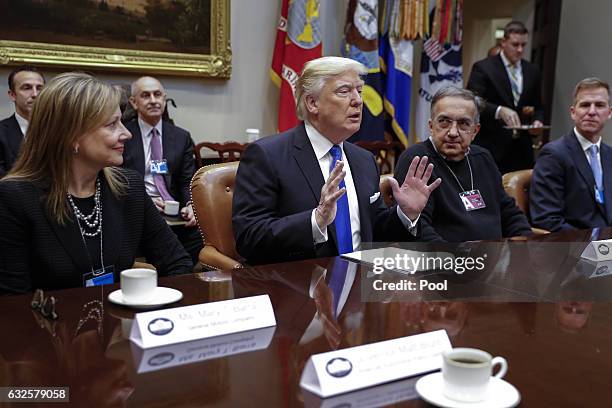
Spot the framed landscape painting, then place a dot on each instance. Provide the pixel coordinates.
(180, 37)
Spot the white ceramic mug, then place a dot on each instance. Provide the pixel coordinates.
(138, 285)
(467, 372)
(171, 207)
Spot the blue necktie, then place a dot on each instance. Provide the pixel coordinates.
(596, 168)
(343, 216)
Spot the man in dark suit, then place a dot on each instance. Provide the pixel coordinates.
(25, 83)
(307, 193)
(167, 165)
(511, 88)
(571, 185)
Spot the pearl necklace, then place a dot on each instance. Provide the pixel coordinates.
(92, 221)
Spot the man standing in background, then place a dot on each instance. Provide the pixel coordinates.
(25, 83)
(510, 86)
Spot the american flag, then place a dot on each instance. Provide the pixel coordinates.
(433, 49)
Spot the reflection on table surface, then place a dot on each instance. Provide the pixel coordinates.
(535, 303)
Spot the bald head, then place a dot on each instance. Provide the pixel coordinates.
(148, 99)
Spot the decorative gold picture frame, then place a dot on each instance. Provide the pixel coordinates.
(216, 64)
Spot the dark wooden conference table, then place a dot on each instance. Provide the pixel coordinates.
(536, 303)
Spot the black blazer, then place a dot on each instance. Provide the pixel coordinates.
(562, 192)
(177, 149)
(278, 185)
(489, 80)
(11, 139)
(37, 252)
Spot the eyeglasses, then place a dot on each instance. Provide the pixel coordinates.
(463, 125)
(45, 305)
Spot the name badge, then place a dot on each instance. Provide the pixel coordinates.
(159, 167)
(99, 277)
(599, 196)
(472, 200)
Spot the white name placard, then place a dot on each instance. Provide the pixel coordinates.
(159, 358)
(598, 250)
(181, 324)
(350, 369)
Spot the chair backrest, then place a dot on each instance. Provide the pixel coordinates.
(227, 151)
(517, 184)
(386, 153)
(212, 190)
(386, 190)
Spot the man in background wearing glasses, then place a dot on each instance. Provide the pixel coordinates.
(471, 203)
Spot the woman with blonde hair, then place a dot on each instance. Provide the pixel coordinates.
(69, 216)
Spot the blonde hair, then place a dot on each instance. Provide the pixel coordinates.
(316, 73)
(71, 105)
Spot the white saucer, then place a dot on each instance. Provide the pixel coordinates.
(163, 296)
(501, 394)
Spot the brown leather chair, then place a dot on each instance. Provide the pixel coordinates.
(386, 190)
(516, 184)
(212, 190)
(228, 151)
(386, 153)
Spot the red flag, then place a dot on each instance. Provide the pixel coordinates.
(298, 40)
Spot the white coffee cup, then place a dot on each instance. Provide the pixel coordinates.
(138, 285)
(252, 135)
(467, 371)
(171, 207)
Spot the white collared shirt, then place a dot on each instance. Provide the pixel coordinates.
(586, 144)
(145, 131)
(519, 71)
(518, 74)
(23, 123)
(321, 146)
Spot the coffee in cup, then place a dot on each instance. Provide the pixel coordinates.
(467, 371)
(138, 285)
(171, 207)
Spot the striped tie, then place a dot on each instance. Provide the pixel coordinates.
(514, 84)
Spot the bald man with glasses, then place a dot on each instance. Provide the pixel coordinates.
(471, 203)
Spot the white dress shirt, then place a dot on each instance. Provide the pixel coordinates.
(518, 74)
(145, 131)
(321, 146)
(586, 145)
(23, 123)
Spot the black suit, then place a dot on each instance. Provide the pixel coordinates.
(37, 252)
(11, 139)
(278, 185)
(489, 80)
(562, 192)
(177, 148)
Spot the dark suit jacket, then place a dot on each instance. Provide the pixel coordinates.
(562, 192)
(489, 80)
(177, 148)
(37, 252)
(10, 143)
(279, 184)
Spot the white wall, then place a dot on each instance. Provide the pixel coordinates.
(584, 51)
(215, 110)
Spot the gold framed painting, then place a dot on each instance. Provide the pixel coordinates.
(176, 37)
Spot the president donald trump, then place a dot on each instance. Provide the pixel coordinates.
(307, 193)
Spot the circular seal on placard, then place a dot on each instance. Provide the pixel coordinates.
(161, 359)
(602, 270)
(160, 326)
(339, 367)
(603, 249)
